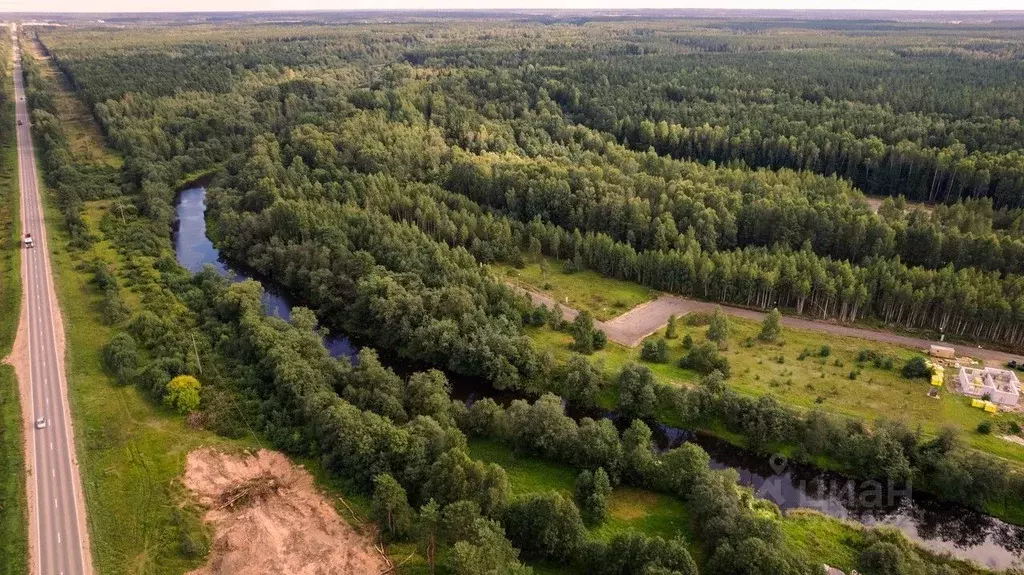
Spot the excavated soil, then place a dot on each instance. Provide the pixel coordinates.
(269, 518)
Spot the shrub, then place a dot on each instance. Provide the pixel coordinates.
(183, 394)
(654, 351)
(705, 358)
(121, 357)
(672, 330)
(697, 319)
(591, 495)
(916, 368)
(985, 427)
(718, 327)
(771, 327)
(825, 351)
(545, 526)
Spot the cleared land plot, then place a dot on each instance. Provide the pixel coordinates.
(630, 327)
(269, 518)
(603, 297)
(83, 133)
(811, 383)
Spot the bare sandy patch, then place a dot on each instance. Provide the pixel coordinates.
(269, 518)
(1012, 439)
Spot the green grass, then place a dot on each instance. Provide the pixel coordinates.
(628, 508)
(605, 298)
(13, 504)
(525, 474)
(13, 507)
(816, 382)
(131, 452)
(83, 133)
(822, 539)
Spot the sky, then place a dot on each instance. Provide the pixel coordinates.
(291, 5)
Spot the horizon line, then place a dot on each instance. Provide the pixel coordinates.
(518, 10)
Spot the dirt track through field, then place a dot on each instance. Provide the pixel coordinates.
(632, 327)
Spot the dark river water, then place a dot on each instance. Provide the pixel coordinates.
(938, 526)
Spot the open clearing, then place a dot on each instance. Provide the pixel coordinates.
(83, 133)
(794, 371)
(547, 276)
(633, 326)
(628, 507)
(269, 518)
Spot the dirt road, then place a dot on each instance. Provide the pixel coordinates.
(632, 327)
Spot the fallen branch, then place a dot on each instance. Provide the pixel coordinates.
(400, 563)
(350, 510)
(251, 489)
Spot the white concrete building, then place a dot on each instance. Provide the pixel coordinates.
(1000, 386)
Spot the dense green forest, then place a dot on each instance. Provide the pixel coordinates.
(372, 169)
(543, 125)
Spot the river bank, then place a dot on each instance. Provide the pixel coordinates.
(937, 526)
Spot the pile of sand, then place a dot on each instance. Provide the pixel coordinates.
(269, 518)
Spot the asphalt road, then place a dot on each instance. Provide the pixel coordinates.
(55, 515)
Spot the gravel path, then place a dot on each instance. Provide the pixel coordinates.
(632, 327)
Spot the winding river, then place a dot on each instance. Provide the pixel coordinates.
(938, 526)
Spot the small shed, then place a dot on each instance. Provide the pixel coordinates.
(942, 351)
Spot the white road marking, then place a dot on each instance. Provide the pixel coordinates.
(51, 446)
(55, 506)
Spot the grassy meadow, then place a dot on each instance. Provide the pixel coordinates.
(815, 537)
(82, 131)
(547, 275)
(798, 371)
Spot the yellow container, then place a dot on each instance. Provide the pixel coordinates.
(977, 403)
(991, 407)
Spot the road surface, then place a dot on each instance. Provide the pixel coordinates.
(56, 522)
(632, 327)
